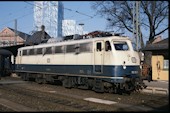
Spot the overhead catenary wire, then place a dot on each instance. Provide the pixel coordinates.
(78, 12)
(19, 17)
(10, 14)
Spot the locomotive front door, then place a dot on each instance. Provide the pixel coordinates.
(98, 57)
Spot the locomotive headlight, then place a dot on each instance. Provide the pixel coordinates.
(133, 60)
(124, 67)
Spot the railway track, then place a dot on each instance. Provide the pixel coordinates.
(55, 101)
(47, 97)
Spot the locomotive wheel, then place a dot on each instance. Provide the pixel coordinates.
(98, 86)
(67, 82)
(25, 76)
(40, 80)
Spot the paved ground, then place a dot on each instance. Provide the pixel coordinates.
(161, 87)
(160, 84)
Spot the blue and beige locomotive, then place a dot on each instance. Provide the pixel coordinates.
(103, 64)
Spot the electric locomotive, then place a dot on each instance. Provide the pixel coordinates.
(103, 64)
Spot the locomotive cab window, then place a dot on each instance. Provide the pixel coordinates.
(107, 46)
(120, 46)
(99, 46)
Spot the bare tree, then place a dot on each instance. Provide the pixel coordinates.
(119, 14)
(156, 13)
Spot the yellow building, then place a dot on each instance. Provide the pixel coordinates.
(159, 59)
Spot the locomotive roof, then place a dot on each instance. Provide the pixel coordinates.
(68, 42)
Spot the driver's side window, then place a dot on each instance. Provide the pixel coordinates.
(107, 46)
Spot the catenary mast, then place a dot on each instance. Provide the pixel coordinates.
(136, 24)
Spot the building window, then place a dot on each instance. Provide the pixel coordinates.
(166, 64)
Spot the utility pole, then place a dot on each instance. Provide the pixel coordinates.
(136, 24)
(15, 38)
(137, 32)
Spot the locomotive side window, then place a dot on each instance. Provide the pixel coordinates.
(59, 49)
(39, 51)
(31, 52)
(86, 47)
(48, 50)
(99, 46)
(24, 52)
(107, 46)
(119, 45)
(70, 48)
